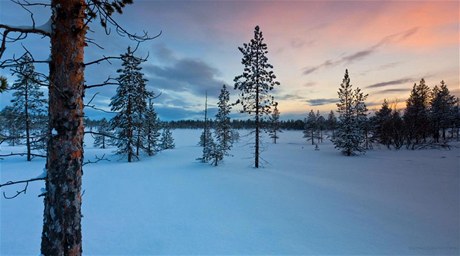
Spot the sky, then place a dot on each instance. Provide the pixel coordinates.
(387, 46)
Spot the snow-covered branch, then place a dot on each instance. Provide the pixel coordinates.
(44, 30)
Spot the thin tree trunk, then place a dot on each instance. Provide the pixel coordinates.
(26, 112)
(130, 132)
(62, 214)
(312, 136)
(256, 154)
(256, 160)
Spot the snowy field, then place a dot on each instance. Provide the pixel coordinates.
(301, 202)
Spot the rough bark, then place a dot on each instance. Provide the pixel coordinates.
(62, 214)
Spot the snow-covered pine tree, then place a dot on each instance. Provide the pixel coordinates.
(274, 124)
(382, 125)
(310, 127)
(103, 133)
(212, 152)
(351, 108)
(223, 129)
(397, 129)
(28, 101)
(416, 115)
(255, 84)
(441, 112)
(151, 130)
(331, 123)
(206, 135)
(320, 125)
(12, 132)
(362, 124)
(130, 104)
(167, 140)
(456, 122)
(3, 84)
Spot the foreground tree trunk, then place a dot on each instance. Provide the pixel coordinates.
(62, 215)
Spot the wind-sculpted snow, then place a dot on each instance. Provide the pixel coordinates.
(302, 201)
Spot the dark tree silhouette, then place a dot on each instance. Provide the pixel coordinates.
(255, 84)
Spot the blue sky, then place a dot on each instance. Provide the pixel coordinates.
(386, 45)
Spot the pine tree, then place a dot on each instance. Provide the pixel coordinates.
(310, 127)
(331, 123)
(3, 84)
(28, 101)
(362, 124)
(350, 134)
(10, 126)
(151, 130)
(441, 114)
(130, 104)
(167, 140)
(456, 117)
(212, 152)
(103, 133)
(416, 115)
(382, 124)
(206, 136)
(255, 84)
(223, 129)
(274, 124)
(398, 132)
(320, 124)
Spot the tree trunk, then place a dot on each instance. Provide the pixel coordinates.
(312, 136)
(62, 214)
(130, 132)
(256, 154)
(26, 112)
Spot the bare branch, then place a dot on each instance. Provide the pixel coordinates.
(9, 183)
(106, 82)
(101, 134)
(106, 58)
(20, 154)
(98, 159)
(106, 19)
(27, 3)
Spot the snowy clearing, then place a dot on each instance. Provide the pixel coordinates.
(301, 202)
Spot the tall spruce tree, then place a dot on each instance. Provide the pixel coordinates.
(456, 121)
(9, 125)
(320, 125)
(382, 124)
(151, 130)
(223, 129)
(331, 123)
(441, 114)
(397, 131)
(310, 127)
(206, 136)
(255, 84)
(130, 105)
(274, 124)
(103, 133)
(362, 124)
(28, 100)
(167, 140)
(416, 115)
(352, 110)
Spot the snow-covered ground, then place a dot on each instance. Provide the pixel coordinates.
(301, 202)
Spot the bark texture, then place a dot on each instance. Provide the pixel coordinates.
(62, 212)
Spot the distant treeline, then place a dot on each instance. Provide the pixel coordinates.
(200, 124)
